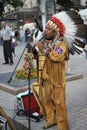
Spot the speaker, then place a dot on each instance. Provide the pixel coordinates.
(33, 110)
(33, 103)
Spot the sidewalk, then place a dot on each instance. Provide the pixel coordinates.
(16, 86)
(76, 95)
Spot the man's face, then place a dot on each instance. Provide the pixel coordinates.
(49, 33)
(3, 24)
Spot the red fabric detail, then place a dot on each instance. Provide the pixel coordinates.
(59, 24)
(33, 104)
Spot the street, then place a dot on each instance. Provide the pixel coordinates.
(76, 94)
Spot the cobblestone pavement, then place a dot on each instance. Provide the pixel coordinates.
(15, 83)
(8, 71)
(4, 78)
(76, 95)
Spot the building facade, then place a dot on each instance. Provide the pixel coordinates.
(43, 8)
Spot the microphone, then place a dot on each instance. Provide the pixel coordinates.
(40, 37)
(39, 27)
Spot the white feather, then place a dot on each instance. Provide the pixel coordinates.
(79, 48)
(70, 27)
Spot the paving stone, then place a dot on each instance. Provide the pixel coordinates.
(76, 95)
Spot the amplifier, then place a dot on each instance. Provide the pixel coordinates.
(30, 102)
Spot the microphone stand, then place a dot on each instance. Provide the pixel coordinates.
(21, 55)
(29, 98)
(29, 74)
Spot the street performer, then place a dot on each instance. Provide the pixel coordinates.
(53, 83)
(62, 33)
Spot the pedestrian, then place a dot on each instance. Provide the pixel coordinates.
(53, 83)
(17, 36)
(1, 40)
(22, 36)
(27, 33)
(7, 37)
(13, 45)
(13, 42)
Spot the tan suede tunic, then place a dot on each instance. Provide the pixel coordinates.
(52, 88)
(54, 66)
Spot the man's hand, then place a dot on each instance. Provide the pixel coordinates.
(47, 51)
(39, 46)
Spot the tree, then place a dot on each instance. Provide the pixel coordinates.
(66, 4)
(1, 7)
(13, 3)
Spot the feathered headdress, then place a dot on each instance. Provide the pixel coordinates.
(72, 28)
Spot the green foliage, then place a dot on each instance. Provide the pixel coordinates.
(14, 3)
(66, 4)
(1, 7)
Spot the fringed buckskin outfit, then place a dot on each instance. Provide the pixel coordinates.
(68, 26)
(52, 90)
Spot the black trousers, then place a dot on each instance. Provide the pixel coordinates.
(7, 51)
